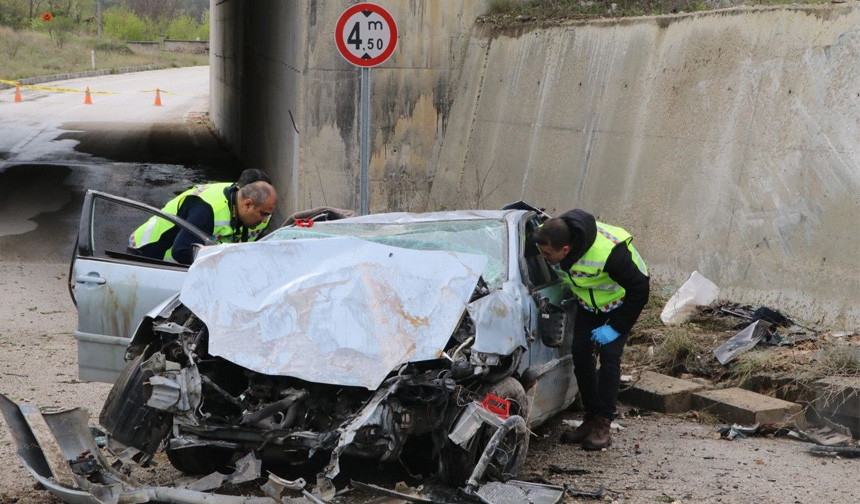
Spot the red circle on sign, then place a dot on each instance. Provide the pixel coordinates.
(341, 46)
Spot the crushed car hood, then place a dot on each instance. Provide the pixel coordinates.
(341, 311)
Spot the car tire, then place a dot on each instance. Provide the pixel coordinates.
(458, 463)
(126, 416)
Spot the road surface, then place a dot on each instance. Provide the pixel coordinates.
(53, 147)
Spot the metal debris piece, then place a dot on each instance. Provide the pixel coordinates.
(572, 492)
(742, 341)
(393, 493)
(247, 469)
(520, 492)
(67, 432)
(824, 436)
(840, 451)
(275, 486)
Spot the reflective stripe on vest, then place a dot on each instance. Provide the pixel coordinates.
(586, 278)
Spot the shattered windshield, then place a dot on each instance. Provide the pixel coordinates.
(483, 237)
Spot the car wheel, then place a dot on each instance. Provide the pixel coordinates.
(510, 455)
(126, 416)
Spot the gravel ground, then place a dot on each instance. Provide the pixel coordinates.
(655, 458)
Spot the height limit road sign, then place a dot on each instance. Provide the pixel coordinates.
(366, 35)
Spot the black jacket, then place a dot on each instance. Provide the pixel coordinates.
(619, 266)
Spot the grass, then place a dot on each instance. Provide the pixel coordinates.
(505, 11)
(839, 360)
(751, 364)
(27, 53)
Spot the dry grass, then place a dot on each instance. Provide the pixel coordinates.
(25, 53)
(507, 12)
(750, 365)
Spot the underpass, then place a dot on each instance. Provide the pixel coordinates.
(53, 147)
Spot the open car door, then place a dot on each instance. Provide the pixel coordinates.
(111, 288)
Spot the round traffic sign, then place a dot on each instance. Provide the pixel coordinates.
(366, 34)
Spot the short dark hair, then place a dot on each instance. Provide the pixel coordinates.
(252, 175)
(258, 192)
(553, 232)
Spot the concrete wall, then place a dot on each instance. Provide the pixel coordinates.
(725, 141)
(257, 53)
(187, 46)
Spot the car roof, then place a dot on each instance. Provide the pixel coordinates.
(408, 218)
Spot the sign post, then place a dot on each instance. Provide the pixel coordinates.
(366, 36)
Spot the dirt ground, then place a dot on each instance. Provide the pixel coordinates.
(656, 458)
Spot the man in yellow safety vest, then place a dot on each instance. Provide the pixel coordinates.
(610, 281)
(229, 213)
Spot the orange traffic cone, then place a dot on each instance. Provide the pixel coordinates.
(157, 97)
(18, 93)
(88, 100)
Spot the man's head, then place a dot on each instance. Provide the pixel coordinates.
(252, 175)
(554, 240)
(255, 203)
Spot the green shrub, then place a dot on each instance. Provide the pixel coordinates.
(122, 24)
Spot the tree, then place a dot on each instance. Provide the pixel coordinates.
(154, 9)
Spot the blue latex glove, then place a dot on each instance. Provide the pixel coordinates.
(604, 334)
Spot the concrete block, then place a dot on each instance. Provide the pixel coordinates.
(743, 407)
(658, 392)
(838, 399)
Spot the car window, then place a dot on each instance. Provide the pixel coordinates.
(483, 237)
(538, 271)
(107, 225)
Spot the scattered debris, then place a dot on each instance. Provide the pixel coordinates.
(742, 341)
(572, 492)
(400, 492)
(520, 492)
(684, 304)
(737, 431)
(823, 436)
(836, 451)
(247, 469)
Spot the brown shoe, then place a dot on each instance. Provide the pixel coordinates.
(598, 438)
(578, 434)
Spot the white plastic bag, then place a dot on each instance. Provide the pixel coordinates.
(697, 291)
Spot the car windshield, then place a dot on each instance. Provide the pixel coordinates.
(484, 237)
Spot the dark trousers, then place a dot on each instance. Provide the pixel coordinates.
(599, 389)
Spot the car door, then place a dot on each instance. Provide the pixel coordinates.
(555, 387)
(111, 288)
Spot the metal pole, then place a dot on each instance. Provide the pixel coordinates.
(364, 141)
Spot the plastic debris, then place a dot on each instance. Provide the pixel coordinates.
(684, 304)
(742, 341)
(737, 431)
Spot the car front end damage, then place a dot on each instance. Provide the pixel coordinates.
(406, 386)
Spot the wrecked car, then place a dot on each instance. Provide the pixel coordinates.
(414, 339)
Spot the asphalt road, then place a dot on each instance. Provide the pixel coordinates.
(53, 147)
